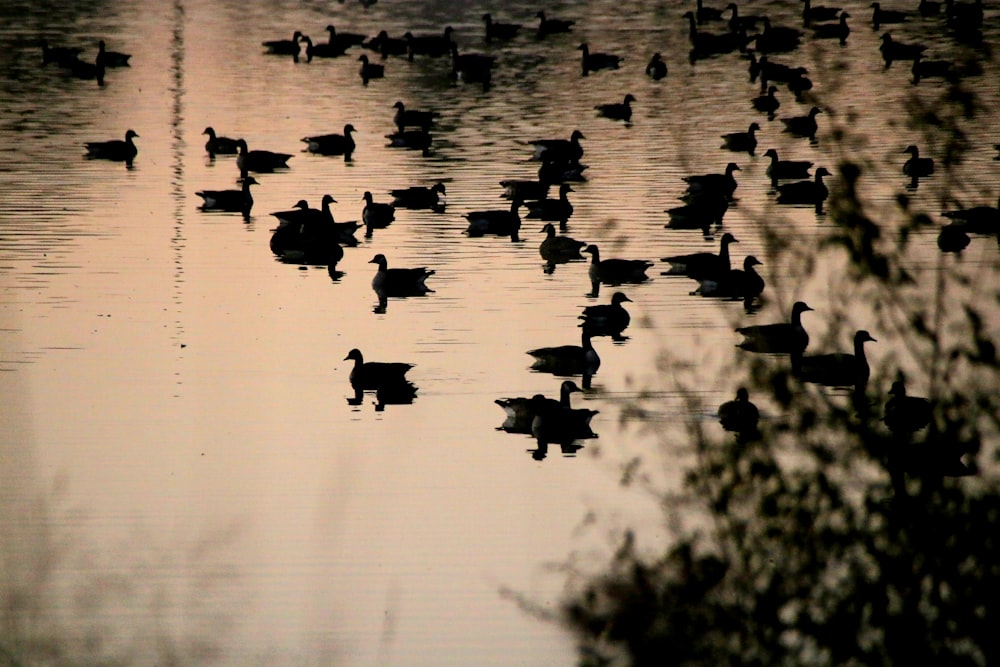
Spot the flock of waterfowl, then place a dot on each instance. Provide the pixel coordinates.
(309, 235)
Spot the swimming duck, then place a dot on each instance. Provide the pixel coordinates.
(802, 193)
(785, 169)
(498, 222)
(742, 23)
(559, 249)
(233, 201)
(706, 44)
(284, 47)
(260, 161)
(905, 415)
(369, 71)
(420, 197)
(656, 68)
(892, 50)
(803, 126)
(705, 13)
(559, 150)
(525, 190)
(838, 369)
(916, 166)
(608, 319)
(777, 39)
(745, 284)
(88, 71)
(521, 411)
(217, 145)
(592, 62)
(343, 40)
(376, 215)
(433, 46)
(839, 30)
(769, 70)
(547, 26)
(882, 17)
(375, 374)
(617, 110)
(817, 13)
(387, 46)
(767, 102)
(317, 223)
(615, 271)
(399, 282)
(779, 338)
(739, 415)
(741, 142)
(555, 210)
(405, 118)
(111, 58)
(333, 144)
(702, 265)
(565, 360)
(723, 185)
(978, 219)
(63, 56)
(322, 50)
(115, 149)
(471, 67)
(926, 69)
(496, 30)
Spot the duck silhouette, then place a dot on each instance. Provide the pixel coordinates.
(217, 145)
(333, 144)
(778, 338)
(115, 149)
(702, 265)
(233, 201)
(608, 319)
(739, 415)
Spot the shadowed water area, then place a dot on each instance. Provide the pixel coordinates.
(187, 469)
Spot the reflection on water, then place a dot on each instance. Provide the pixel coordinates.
(179, 372)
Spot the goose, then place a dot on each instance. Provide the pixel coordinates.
(405, 118)
(399, 282)
(419, 197)
(916, 166)
(559, 150)
(905, 415)
(839, 30)
(767, 102)
(926, 69)
(839, 369)
(702, 265)
(433, 46)
(779, 338)
(234, 201)
(608, 319)
(471, 67)
(777, 39)
(706, 44)
(387, 46)
(742, 142)
(323, 50)
(745, 283)
(953, 238)
(785, 169)
(345, 39)
(111, 58)
(615, 271)
(547, 26)
(284, 47)
(892, 50)
(557, 249)
(498, 222)
(769, 70)
(501, 31)
(566, 360)
(302, 218)
(745, 22)
(801, 193)
(376, 215)
(115, 149)
(555, 210)
(803, 126)
(375, 374)
(978, 219)
(617, 110)
(217, 145)
(260, 161)
(88, 71)
(701, 212)
(817, 13)
(739, 415)
(656, 68)
(592, 62)
(369, 71)
(723, 185)
(799, 84)
(525, 190)
(882, 17)
(520, 412)
(61, 55)
(552, 423)
(333, 144)
(705, 13)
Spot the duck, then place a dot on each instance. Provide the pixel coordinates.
(555, 210)
(60, 55)
(498, 222)
(656, 69)
(926, 69)
(433, 46)
(608, 319)
(419, 197)
(284, 47)
(260, 161)
(547, 26)
(405, 118)
(557, 249)
(777, 39)
(778, 338)
(526, 190)
(953, 238)
(375, 374)
(111, 58)
(233, 201)
(905, 415)
(615, 271)
(554, 424)
(803, 126)
(520, 412)
(916, 166)
(769, 70)
(882, 17)
(115, 149)
(387, 46)
(217, 145)
(376, 215)
(978, 219)
(302, 218)
(369, 71)
(706, 44)
(592, 62)
(741, 23)
(344, 40)
(892, 50)
(333, 144)
(500, 31)
(767, 102)
(723, 185)
(817, 13)
(702, 265)
(321, 50)
(785, 169)
(559, 150)
(705, 13)
(88, 71)
(471, 67)
(801, 193)
(745, 284)
(566, 360)
(399, 282)
(739, 415)
(839, 369)
(839, 30)
(617, 110)
(742, 142)
(800, 84)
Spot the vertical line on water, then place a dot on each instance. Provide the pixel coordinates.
(177, 146)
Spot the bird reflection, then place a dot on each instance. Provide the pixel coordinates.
(395, 393)
(541, 452)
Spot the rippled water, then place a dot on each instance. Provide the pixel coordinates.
(177, 398)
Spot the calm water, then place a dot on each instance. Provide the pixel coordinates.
(182, 466)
